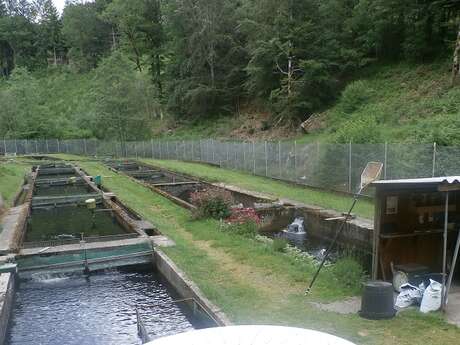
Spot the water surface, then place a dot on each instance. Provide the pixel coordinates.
(100, 310)
(46, 223)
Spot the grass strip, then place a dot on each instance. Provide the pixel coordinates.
(11, 178)
(279, 189)
(247, 279)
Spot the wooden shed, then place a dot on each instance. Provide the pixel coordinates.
(416, 224)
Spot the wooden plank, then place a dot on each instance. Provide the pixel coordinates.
(449, 187)
(174, 184)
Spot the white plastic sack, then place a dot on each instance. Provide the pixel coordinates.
(431, 300)
(409, 295)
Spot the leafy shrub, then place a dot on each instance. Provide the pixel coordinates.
(243, 215)
(212, 203)
(349, 273)
(243, 221)
(355, 96)
(280, 244)
(246, 229)
(360, 130)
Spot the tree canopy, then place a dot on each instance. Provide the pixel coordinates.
(201, 58)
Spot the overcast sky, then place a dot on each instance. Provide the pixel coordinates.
(59, 4)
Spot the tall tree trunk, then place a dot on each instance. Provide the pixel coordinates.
(456, 62)
(114, 41)
(137, 53)
(157, 69)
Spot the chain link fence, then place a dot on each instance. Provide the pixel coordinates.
(335, 167)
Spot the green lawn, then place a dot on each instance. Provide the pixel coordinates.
(254, 284)
(364, 208)
(278, 189)
(11, 178)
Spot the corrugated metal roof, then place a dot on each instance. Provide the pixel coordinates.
(431, 180)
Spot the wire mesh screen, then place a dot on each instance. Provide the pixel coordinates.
(329, 166)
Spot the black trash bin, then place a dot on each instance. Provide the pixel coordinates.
(377, 302)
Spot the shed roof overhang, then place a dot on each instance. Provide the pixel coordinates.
(445, 183)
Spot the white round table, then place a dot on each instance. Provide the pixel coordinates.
(251, 335)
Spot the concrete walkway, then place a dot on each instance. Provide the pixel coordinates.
(352, 305)
(11, 224)
(161, 241)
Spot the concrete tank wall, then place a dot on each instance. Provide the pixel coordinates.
(187, 288)
(6, 302)
(357, 233)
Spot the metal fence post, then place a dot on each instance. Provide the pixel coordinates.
(213, 151)
(47, 147)
(295, 160)
(16, 146)
(244, 156)
(385, 161)
(236, 157)
(349, 167)
(4, 146)
(434, 160)
(185, 151)
(59, 146)
(193, 150)
(36, 147)
(254, 157)
(279, 159)
(84, 142)
(266, 159)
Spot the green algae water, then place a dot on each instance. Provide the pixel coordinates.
(62, 190)
(47, 223)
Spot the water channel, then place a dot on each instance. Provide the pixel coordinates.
(73, 309)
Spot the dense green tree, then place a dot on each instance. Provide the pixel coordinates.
(24, 112)
(140, 25)
(88, 37)
(120, 101)
(127, 17)
(50, 30)
(205, 73)
(206, 57)
(18, 36)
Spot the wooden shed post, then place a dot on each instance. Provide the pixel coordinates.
(444, 253)
(376, 234)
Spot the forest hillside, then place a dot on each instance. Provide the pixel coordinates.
(356, 70)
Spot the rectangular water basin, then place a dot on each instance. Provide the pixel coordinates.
(67, 221)
(61, 188)
(100, 309)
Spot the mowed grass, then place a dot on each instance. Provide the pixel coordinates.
(329, 200)
(278, 189)
(254, 284)
(11, 178)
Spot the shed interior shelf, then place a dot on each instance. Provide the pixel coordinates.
(415, 234)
